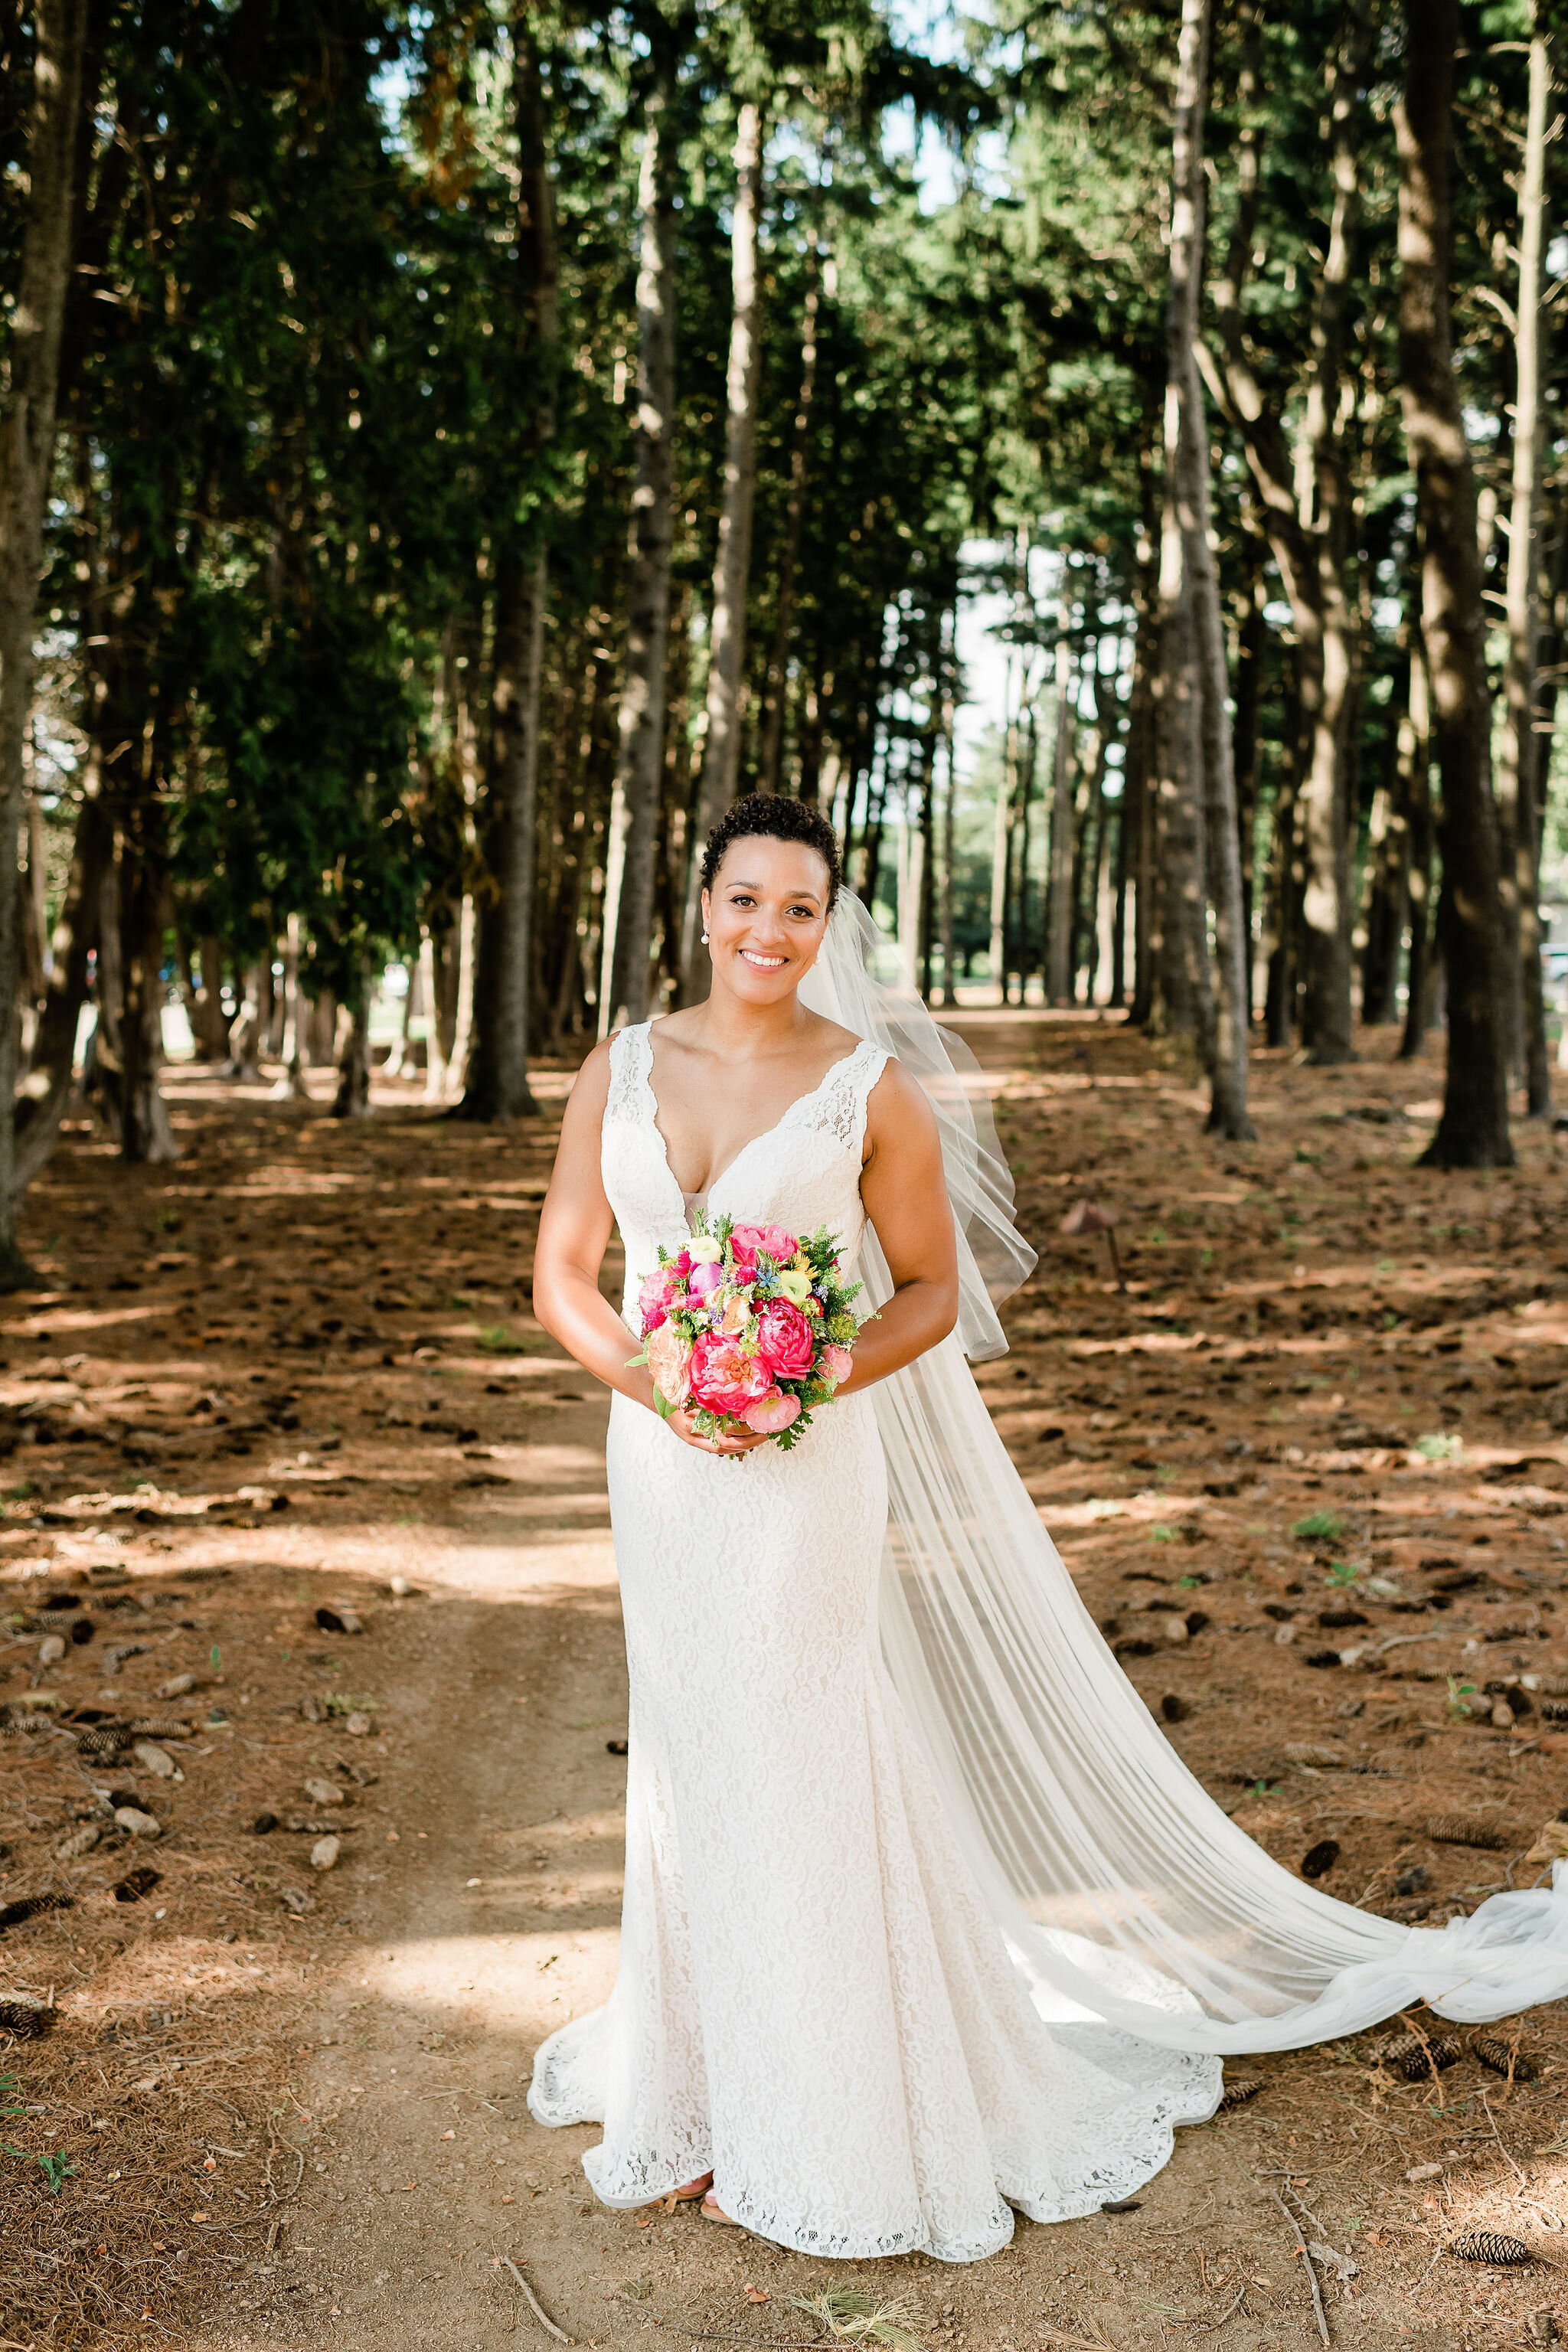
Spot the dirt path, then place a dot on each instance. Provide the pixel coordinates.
(298, 1370)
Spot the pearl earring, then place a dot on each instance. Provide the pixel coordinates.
(704, 938)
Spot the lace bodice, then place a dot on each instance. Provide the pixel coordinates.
(804, 1172)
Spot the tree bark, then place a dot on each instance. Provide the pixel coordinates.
(1473, 1129)
(145, 1135)
(1327, 907)
(1059, 917)
(770, 759)
(352, 1097)
(291, 1051)
(632, 851)
(1309, 553)
(727, 617)
(1415, 775)
(496, 1080)
(41, 1103)
(1182, 994)
(27, 399)
(1519, 751)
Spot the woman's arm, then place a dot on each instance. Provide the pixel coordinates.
(905, 1193)
(574, 1228)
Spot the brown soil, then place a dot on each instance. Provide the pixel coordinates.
(300, 1364)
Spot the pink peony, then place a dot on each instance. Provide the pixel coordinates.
(726, 1377)
(656, 1294)
(836, 1361)
(772, 1413)
(784, 1341)
(670, 1364)
(772, 1240)
(703, 1278)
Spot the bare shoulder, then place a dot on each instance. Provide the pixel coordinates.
(898, 1114)
(591, 1086)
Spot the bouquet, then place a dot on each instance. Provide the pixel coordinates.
(745, 1324)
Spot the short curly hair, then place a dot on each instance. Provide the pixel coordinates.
(774, 818)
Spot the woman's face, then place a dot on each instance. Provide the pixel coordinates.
(765, 916)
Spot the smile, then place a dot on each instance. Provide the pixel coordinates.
(763, 962)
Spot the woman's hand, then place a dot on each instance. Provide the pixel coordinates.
(735, 1438)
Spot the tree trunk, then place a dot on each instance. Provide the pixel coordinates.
(1252, 639)
(352, 1097)
(1386, 890)
(1182, 994)
(1415, 794)
(727, 618)
(290, 1053)
(632, 852)
(1519, 751)
(1327, 910)
(1060, 926)
(1473, 1129)
(1303, 553)
(41, 1104)
(1002, 838)
(28, 396)
(208, 1019)
(145, 1134)
(770, 759)
(496, 1078)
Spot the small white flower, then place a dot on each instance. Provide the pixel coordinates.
(703, 1250)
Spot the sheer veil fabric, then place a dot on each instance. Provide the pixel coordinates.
(1125, 1896)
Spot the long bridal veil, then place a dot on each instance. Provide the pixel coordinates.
(1125, 1894)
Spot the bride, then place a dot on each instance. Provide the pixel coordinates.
(925, 1920)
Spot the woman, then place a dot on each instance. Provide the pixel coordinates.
(923, 1921)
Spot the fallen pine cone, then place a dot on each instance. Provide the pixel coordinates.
(1314, 1751)
(136, 1883)
(1320, 1859)
(80, 1842)
(1454, 1829)
(1236, 2095)
(24, 2015)
(105, 1741)
(32, 1907)
(1505, 2057)
(161, 1726)
(1490, 2246)
(1412, 2055)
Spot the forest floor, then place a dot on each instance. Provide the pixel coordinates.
(1309, 1470)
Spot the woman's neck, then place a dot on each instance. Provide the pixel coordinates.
(734, 1031)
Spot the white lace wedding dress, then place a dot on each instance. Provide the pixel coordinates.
(814, 2000)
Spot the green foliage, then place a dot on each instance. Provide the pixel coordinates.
(1322, 1526)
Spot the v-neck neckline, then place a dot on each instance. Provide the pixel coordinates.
(703, 1198)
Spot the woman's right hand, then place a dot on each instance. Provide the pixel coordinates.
(733, 1439)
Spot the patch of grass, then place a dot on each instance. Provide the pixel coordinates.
(1343, 1572)
(1325, 1526)
(1440, 1447)
(1459, 1695)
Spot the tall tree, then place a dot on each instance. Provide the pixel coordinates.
(732, 568)
(28, 396)
(495, 1083)
(1519, 760)
(1473, 1129)
(1183, 989)
(632, 851)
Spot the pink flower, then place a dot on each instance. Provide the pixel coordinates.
(670, 1364)
(680, 1265)
(656, 1294)
(784, 1341)
(704, 1278)
(836, 1361)
(772, 1413)
(726, 1377)
(772, 1240)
